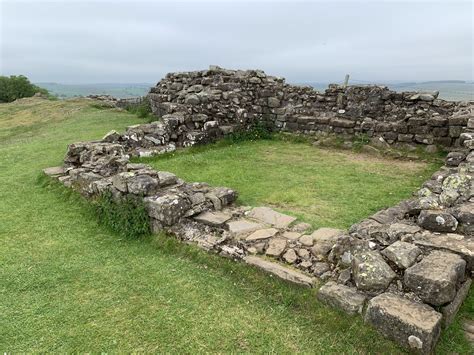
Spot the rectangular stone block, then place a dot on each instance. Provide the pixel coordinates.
(342, 297)
(413, 325)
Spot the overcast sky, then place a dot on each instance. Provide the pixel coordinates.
(131, 41)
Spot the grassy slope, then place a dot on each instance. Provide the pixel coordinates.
(69, 285)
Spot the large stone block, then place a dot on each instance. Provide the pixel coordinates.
(435, 278)
(269, 216)
(402, 254)
(342, 297)
(437, 221)
(413, 325)
(370, 271)
(323, 240)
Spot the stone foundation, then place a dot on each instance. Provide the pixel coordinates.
(406, 269)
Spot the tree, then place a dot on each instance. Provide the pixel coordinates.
(16, 87)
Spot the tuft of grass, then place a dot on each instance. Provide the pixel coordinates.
(126, 216)
(142, 110)
(256, 131)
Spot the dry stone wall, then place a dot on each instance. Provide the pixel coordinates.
(406, 269)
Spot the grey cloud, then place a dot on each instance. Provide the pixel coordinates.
(303, 41)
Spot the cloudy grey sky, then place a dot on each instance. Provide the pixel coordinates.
(131, 41)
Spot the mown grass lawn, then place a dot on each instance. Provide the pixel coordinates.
(327, 188)
(67, 284)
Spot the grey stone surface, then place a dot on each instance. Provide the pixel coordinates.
(342, 297)
(290, 256)
(262, 234)
(242, 227)
(402, 254)
(54, 171)
(276, 246)
(214, 218)
(435, 278)
(402, 320)
(437, 221)
(449, 311)
(281, 271)
(324, 239)
(370, 271)
(268, 216)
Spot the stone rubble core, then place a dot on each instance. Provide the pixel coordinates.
(406, 269)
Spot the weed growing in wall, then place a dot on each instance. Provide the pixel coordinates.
(257, 131)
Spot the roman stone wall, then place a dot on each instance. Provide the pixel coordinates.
(224, 100)
(406, 269)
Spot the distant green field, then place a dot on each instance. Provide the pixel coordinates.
(116, 90)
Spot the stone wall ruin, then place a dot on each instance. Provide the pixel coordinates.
(406, 269)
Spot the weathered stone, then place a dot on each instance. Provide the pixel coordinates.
(143, 185)
(291, 235)
(269, 216)
(276, 246)
(242, 227)
(281, 271)
(434, 279)
(342, 297)
(54, 171)
(402, 254)
(215, 218)
(167, 209)
(403, 320)
(370, 271)
(320, 268)
(262, 234)
(290, 256)
(437, 221)
(301, 227)
(449, 311)
(306, 240)
(455, 243)
(455, 158)
(167, 178)
(324, 239)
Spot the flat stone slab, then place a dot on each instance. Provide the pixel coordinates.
(342, 297)
(215, 218)
(262, 234)
(54, 171)
(402, 254)
(291, 235)
(434, 279)
(242, 227)
(413, 325)
(450, 311)
(269, 216)
(456, 243)
(281, 271)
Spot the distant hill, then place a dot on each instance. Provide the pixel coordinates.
(117, 90)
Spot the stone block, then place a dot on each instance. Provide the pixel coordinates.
(370, 271)
(449, 311)
(262, 234)
(435, 278)
(281, 271)
(437, 221)
(276, 246)
(323, 240)
(215, 218)
(402, 254)
(413, 325)
(342, 297)
(242, 227)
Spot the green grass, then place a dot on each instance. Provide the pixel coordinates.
(69, 285)
(327, 188)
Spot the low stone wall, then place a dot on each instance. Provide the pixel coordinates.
(226, 99)
(406, 269)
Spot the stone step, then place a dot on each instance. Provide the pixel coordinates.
(342, 297)
(268, 216)
(214, 218)
(242, 227)
(281, 271)
(415, 326)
